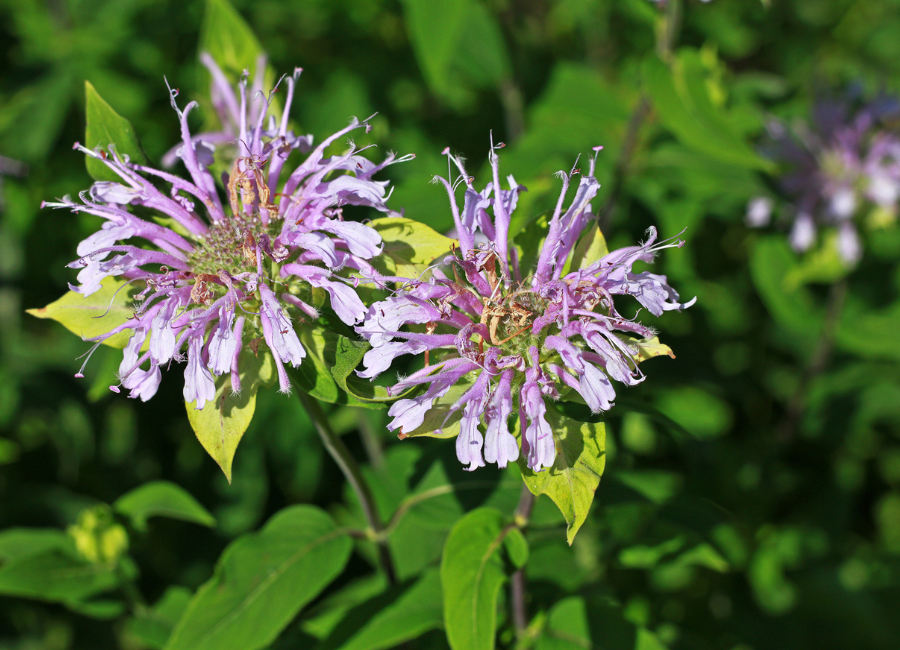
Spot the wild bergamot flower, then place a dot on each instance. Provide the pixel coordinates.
(219, 270)
(844, 168)
(508, 338)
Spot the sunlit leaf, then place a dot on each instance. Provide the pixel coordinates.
(649, 348)
(261, 581)
(591, 247)
(576, 472)
(479, 555)
(409, 246)
(96, 314)
(221, 423)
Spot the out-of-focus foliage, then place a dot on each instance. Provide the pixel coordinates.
(751, 492)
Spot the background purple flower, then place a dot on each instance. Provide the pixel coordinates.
(843, 168)
(218, 270)
(502, 338)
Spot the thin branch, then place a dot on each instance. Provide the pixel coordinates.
(818, 362)
(348, 466)
(517, 583)
(624, 162)
(513, 109)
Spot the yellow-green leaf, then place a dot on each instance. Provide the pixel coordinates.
(649, 348)
(576, 472)
(96, 314)
(221, 424)
(409, 246)
(590, 248)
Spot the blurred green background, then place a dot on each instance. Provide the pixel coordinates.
(716, 525)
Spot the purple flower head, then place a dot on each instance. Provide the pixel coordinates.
(220, 268)
(499, 340)
(843, 168)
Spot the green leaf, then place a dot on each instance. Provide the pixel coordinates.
(576, 472)
(261, 581)
(56, 576)
(105, 127)
(347, 355)
(823, 264)
(578, 99)
(569, 628)
(227, 37)
(161, 499)
(479, 554)
(314, 374)
(95, 314)
(327, 374)
(456, 41)
(152, 627)
(104, 609)
(220, 424)
(439, 422)
(530, 240)
(700, 412)
(388, 620)
(482, 57)
(649, 348)
(409, 246)
(645, 557)
(20, 543)
(590, 248)
(322, 619)
(793, 307)
(687, 113)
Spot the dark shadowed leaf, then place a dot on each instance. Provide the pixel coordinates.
(402, 613)
(570, 627)
(153, 626)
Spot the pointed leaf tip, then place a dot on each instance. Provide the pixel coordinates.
(106, 127)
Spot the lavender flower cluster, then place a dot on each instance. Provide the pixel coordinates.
(218, 274)
(842, 169)
(509, 338)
